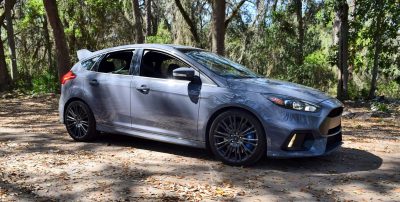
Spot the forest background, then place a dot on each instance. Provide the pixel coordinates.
(349, 49)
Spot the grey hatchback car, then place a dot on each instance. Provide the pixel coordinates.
(189, 96)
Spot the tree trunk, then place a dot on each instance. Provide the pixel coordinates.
(138, 22)
(149, 31)
(218, 27)
(9, 4)
(4, 76)
(190, 22)
(377, 51)
(343, 49)
(261, 14)
(300, 30)
(154, 24)
(63, 58)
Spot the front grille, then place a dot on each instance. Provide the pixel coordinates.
(333, 141)
(336, 112)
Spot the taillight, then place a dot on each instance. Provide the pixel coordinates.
(68, 76)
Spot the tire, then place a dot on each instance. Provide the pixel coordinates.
(80, 122)
(237, 138)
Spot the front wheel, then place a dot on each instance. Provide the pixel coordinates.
(236, 137)
(80, 122)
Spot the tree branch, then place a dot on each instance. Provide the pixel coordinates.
(127, 20)
(192, 25)
(234, 12)
(126, 16)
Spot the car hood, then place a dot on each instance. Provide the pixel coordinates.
(263, 85)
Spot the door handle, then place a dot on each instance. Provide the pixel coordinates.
(94, 82)
(143, 89)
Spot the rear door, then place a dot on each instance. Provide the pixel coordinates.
(162, 104)
(109, 86)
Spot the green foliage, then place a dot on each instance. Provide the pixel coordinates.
(316, 67)
(357, 92)
(163, 36)
(366, 31)
(378, 106)
(45, 83)
(95, 24)
(268, 45)
(389, 89)
(33, 10)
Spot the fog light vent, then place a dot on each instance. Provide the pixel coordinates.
(299, 142)
(290, 145)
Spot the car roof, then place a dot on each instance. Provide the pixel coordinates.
(170, 47)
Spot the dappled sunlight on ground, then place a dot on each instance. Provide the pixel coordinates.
(40, 162)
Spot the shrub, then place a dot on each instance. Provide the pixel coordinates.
(389, 89)
(163, 36)
(377, 106)
(45, 83)
(315, 72)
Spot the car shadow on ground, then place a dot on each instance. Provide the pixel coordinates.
(345, 160)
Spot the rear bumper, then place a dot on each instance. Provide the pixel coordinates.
(61, 104)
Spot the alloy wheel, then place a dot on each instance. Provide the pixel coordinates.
(77, 120)
(235, 138)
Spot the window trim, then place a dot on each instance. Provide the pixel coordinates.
(204, 78)
(197, 73)
(137, 58)
(103, 55)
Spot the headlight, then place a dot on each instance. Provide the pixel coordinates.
(292, 103)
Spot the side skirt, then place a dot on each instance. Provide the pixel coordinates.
(152, 136)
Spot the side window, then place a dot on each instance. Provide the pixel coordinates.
(116, 63)
(88, 64)
(159, 65)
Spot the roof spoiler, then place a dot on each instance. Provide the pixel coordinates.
(84, 53)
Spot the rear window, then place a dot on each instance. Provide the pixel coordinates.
(88, 64)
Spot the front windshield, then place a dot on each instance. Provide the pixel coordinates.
(220, 65)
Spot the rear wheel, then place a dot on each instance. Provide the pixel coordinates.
(237, 138)
(80, 122)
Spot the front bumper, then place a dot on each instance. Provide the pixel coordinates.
(303, 134)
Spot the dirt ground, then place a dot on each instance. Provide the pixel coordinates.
(40, 162)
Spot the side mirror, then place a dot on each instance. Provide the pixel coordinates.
(184, 73)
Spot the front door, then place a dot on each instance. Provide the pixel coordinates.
(162, 104)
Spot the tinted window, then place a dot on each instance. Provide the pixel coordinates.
(220, 65)
(88, 64)
(116, 63)
(159, 65)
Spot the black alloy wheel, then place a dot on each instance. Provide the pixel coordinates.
(79, 121)
(237, 138)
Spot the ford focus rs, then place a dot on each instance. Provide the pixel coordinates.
(189, 96)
